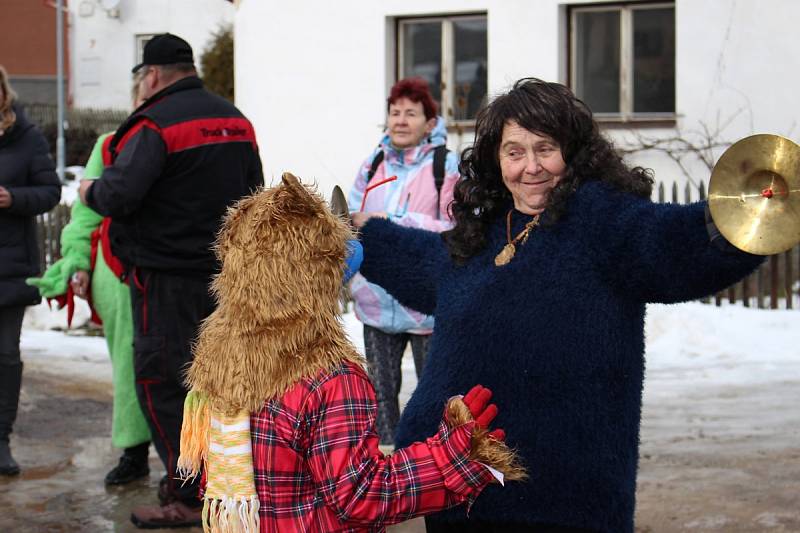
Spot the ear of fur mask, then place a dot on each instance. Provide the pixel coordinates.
(277, 320)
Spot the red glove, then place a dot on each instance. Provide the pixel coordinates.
(476, 400)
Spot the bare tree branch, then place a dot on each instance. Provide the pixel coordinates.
(702, 144)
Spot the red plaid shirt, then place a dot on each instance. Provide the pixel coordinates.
(318, 467)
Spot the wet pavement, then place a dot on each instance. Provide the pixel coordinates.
(725, 460)
(62, 442)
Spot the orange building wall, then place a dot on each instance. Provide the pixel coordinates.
(28, 37)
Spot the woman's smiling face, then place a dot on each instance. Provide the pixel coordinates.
(531, 165)
(407, 123)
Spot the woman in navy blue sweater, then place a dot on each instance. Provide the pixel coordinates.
(539, 293)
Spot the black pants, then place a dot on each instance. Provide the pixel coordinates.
(432, 526)
(10, 366)
(384, 352)
(167, 311)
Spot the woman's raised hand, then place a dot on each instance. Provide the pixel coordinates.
(359, 218)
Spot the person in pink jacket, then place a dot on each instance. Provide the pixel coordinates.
(413, 152)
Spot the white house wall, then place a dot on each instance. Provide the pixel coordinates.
(103, 43)
(744, 58)
(313, 75)
(737, 63)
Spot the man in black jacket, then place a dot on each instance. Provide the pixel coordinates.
(28, 186)
(179, 161)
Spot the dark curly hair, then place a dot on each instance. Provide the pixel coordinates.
(543, 108)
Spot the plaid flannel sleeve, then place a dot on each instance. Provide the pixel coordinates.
(361, 485)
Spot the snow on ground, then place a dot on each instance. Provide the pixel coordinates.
(697, 346)
(43, 344)
(690, 347)
(44, 317)
(45, 341)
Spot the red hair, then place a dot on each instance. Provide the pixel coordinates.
(416, 90)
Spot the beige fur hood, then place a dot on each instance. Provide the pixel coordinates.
(278, 317)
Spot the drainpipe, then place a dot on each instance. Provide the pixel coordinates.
(60, 87)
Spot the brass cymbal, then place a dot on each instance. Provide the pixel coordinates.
(754, 194)
(339, 203)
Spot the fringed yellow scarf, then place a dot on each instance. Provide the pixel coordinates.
(221, 444)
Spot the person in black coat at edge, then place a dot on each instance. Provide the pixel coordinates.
(539, 292)
(28, 186)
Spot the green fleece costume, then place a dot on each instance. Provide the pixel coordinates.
(111, 299)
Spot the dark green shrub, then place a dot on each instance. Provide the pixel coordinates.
(78, 143)
(216, 63)
(85, 126)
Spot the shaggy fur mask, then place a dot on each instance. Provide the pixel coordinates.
(278, 318)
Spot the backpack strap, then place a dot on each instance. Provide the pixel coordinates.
(439, 159)
(373, 168)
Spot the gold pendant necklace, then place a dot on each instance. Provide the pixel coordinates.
(507, 253)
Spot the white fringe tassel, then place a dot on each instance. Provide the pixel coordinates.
(231, 515)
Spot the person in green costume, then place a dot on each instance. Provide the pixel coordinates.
(111, 299)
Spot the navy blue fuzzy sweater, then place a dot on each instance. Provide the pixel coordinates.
(558, 335)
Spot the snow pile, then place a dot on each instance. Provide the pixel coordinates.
(693, 345)
(44, 339)
(55, 345)
(690, 347)
(47, 317)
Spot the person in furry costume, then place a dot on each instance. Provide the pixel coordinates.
(281, 415)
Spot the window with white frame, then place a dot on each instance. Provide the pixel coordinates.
(141, 40)
(451, 54)
(622, 59)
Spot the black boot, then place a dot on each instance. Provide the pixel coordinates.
(8, 466)
(132, 465)
(10, 381)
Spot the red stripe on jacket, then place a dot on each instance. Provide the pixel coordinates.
(100, 236)
(106, 151)
(205, 131)
(145, 123)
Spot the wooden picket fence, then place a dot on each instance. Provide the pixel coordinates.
(100, 120)
(48, 230)
(775, 285)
